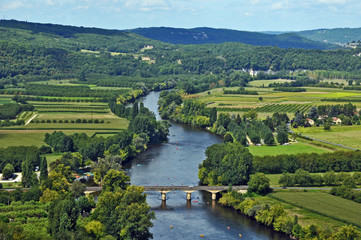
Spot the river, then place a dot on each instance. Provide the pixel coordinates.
(176, 162)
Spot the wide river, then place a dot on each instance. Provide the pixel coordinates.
(176, 162)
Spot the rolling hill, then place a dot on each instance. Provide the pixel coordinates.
(212, 35)
(339, 36)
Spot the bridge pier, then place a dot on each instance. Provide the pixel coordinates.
(214, 193)
(164, 195)
(189, 195)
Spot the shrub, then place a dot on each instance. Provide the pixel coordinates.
(54, 121)
(48, 121)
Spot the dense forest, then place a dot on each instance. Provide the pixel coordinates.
(125, 59)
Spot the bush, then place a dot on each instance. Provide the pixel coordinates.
(90, 121)
(48, 121)
(78, 121)
(60, 121)
(66, 121)
(84, 121)
(45, 149)
(259, 184)
(8, 171)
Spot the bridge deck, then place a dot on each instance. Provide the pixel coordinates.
(180, 188)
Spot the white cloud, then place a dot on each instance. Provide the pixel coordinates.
(147, 5)
(12, 5)
(279, 5)
(333, 1)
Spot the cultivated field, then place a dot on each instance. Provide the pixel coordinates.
(69, 117)
(272, 101)
(324, 204)
(265, 83)
(34, 137)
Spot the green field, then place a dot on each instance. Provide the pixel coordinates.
(34, 137)
(259, 83)
(293, 148)
(324, 204)
(6, 99)
(349, 136)
(274, 101)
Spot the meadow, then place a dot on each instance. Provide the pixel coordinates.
(35, 137)
(349, 136)
(293, 148)
(323, 204)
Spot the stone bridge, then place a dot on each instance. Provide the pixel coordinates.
(187, 189)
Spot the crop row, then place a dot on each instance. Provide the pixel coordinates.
(26, 115)
(323, 204)
(283, 108)
(68, 121)
(72, 107)
(71, 111)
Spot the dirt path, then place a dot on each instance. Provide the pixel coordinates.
(31, 119)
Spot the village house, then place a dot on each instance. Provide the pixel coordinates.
(336, 120)
(310, 121)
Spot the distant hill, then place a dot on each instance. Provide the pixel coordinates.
(339, 36)
(212, 35)
(61, 30)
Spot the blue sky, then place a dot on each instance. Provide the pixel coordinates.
(249, 15)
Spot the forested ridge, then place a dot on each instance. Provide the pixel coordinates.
(38, 54)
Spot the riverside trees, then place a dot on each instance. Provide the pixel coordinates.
(226, 163)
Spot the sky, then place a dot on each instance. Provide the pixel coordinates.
(248, 15)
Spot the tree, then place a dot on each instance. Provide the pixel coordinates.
(63, 215)
(226, 163)
(115, 179)
(101, 168)
(28, 178)
(326, 127)
(228, 138)
(43, 169)
(77, 189)
(212, 116)
(313, 114)
(348, 232)
(125, 214)
(282, 137)
(259, 184)
(329, 178)
(8, 171)
(269, 138)
(286, 180)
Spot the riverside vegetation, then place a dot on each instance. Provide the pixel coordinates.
(61, 86)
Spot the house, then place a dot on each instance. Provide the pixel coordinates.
(322, 117)
(336, 120)
(310, 121)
